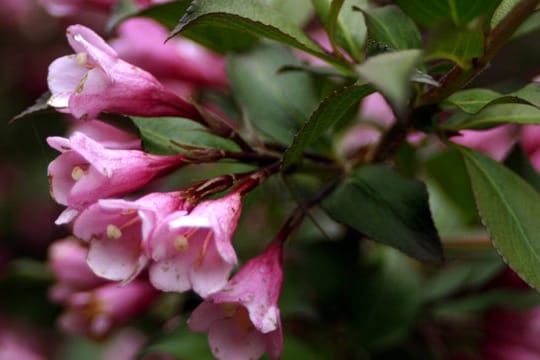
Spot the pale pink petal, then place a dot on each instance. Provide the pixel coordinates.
(66, 216)
(170, 275)
(204, 315)
(374, 107)
(64, 77)
(60, 175)
(115, 260)
(107, 135)
(84, 40)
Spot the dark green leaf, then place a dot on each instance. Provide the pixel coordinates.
(158, 133)
(330, 111)
(298, 11)
(276, 104)
(179, 342)
(387, 301)
(529, 93)
(519, 162)
(247, 16)
(390, 73)
(390, 27)
(167, 13)
(501, 11)
(497, 114)
(528, 26)
(350, 29)
(458, 44)
(387, 208)
(509, 208)
(460, 12)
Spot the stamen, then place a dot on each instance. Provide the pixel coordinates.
(181, 243)
(130, 222)
(113, 232)
(203, 249)
(77, 173)
(229, 309)
(81, 58)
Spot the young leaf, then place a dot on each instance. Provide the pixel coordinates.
(387, 208)
(497, 114)
(458, 44)
(509, 208)
(330, 111)
(250, 17)
(350, 29)
(390, 73)
(389, 26)
(158, 133)
(460, 12)
(276, 104)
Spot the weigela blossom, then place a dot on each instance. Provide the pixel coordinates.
(140, 42)
(496, 142)
(87, 171)
(95, 313)
(242, 319)
(117, 230)
(95, 80)
(107, 135)
(194, 251)
(67, 259)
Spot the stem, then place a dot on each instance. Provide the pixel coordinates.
(454, 80)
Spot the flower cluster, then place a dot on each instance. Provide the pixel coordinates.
(126, 246)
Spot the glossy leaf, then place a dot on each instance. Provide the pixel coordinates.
(330, 111)
(509, 208)
(497, 114)
(246, 16)
(158, 135)
(393, 29)
(276, 104)
(387, 208)
(460, 12)
(390, 73)
(350, 29)
(458, 44)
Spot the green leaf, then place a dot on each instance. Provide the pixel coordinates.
(390, 73)
(166, 14)
(458, 44)
(509, 208)
(519, 162)
(532, 23)
(497, 114)
(276, 104)
(298, 11)
(390, 27)
(473, 100)
(501, 11)
(180, 343)
(460, 12)
(158, 133)
(330, 111)
(247, 16)
(387, 208)
(350, 29)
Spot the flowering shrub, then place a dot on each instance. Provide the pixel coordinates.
(352, 178)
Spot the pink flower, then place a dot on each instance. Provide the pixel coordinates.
(87, 171)
(194, 251)
(70, 7)
(107, 135)
(530, 141)
(243, 318)
(117, 231)
(95, 79)
(495, 142)
(95, 313)
(67, 259)
(141, 42)
(375, 108)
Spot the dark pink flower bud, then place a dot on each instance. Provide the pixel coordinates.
(141, 42)
(95, 79)
(67, 259)
(242, 319)
(87, 171)
(194, 251)
(117, 231)
(95, 313)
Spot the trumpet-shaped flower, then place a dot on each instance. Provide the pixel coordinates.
(117, 230)
(242, 319)
(194, 251)
(87, 171)
(95, 80)
(95, 313)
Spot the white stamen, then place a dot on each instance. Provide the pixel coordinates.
(77, 173)
(113, 232)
